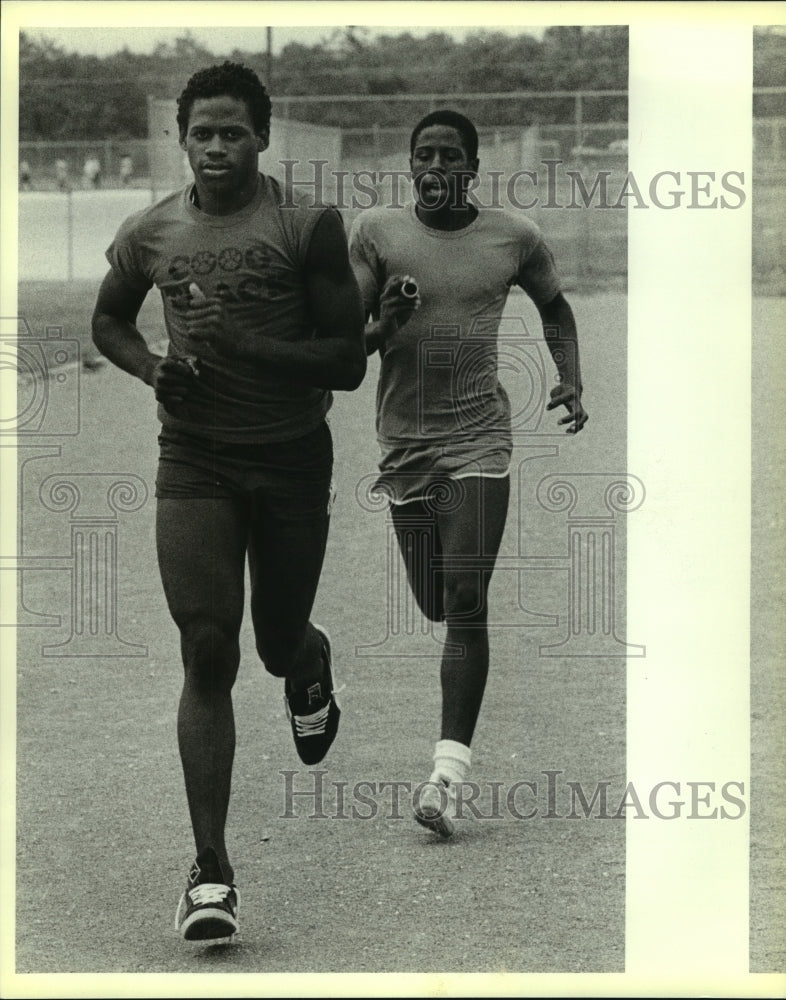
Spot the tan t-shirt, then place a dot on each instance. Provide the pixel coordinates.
(254, 260)
(438, 376)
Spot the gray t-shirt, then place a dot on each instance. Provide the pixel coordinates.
(254, 260)
(438, 376)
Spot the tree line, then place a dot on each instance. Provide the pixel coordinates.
(65, 95)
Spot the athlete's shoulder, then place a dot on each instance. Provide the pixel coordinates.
(515, 224)
(298, 211)
(379, 222)
(285, 196)
(151, 217)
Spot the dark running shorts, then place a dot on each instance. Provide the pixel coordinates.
(292, 478)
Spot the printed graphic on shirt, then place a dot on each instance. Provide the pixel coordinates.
(237, 276)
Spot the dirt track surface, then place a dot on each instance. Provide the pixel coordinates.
(103, 836)
(104, 842)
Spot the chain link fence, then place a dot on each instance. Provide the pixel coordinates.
(590, 245)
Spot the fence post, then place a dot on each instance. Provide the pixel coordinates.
(151, 155)
(377, 146)
(70, 233)
(579, 121)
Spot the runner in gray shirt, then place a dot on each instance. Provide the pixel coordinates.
(443, 418)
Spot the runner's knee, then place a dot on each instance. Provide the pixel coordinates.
(465, 600)
(211, 653)
(430, 603)
(278, 646)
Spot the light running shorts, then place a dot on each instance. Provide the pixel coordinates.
(417, 470)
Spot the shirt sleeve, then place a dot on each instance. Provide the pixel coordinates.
(365, 264)
(538, 274)
(305, 221)
(125, 258)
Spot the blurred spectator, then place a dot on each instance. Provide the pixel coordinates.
(126, 170)
(25, 176)
(61, 174)
(92, 172)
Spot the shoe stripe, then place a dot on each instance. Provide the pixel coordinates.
(312, 725)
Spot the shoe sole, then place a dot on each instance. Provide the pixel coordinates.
(208, 925)
(436, 822)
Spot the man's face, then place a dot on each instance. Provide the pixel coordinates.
(440, 167)
(222, 147)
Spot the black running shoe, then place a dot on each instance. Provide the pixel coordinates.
(314, 713)
(209, 906)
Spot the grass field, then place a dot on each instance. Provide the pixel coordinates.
(103, 834)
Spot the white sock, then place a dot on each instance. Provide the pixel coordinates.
(452, 761)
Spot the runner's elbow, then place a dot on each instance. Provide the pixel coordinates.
(353, 369)
(98, 327)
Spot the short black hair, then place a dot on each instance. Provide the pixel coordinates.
(228, 79)
(444, 116)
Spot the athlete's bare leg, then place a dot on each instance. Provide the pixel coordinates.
(201, 554)
(417, 534)
(449, 557)
(470, 537)
(285, 557)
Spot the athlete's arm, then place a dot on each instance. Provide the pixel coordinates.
(335, 358)
(366, 275)
(394, 311)
(116, 336)
(561, 335)
(336, 306)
